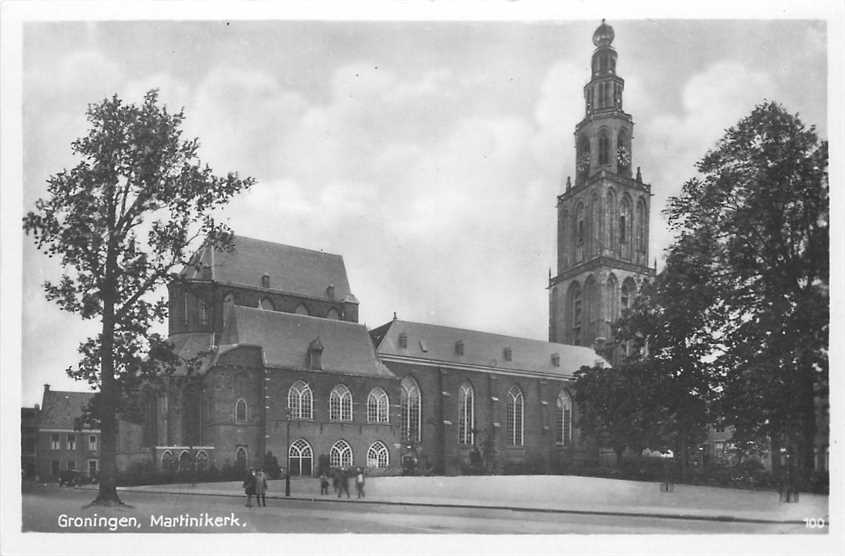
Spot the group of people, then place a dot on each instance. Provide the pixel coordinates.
(255, 484)
(340, 481)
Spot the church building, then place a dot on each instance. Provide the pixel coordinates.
(277, 361)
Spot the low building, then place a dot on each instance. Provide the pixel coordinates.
(64, 443)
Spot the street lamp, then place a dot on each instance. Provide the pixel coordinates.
(288, 414)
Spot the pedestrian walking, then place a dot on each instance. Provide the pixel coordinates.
(324, 483)
(359, 482)
(261, 488)
(249, 487)
(344, 483)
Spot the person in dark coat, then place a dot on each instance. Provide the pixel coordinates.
(249, 487)
(344, 483)
(261, 488)
(336, 480)
(324, 483)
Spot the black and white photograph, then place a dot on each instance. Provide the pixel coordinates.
(422, 281)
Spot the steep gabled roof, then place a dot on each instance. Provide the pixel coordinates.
(62, 409)
(437, 344)
(291, 270)
(285, 339)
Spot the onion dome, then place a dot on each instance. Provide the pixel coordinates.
(603, 35)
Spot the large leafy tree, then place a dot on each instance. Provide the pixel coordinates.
(121, 222)
(761, 206)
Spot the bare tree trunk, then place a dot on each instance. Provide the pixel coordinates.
(107, 495)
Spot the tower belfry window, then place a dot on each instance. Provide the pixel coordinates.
(604, 148)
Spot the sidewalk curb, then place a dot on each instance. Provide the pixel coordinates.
(695, 517)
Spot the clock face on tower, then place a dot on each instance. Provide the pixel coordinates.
(584, 162)
(623, 157)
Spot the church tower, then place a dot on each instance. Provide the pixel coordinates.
(603, 218)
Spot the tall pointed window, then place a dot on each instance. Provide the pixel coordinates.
(340, 404)
(604, 147)
(515, 406)
(240, 457)
(203, 313)
(340, 454)
(377, 455)
(563, 419)
(300, 458)
(410, 407)
(641, 224)
(300, 401)
(240, 411)
(466, 415)
(378, 406)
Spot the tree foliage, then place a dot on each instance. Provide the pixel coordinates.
(761, 209)
(121, 222)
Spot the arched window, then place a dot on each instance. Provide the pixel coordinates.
(228, 303)
(377, 455)
(595, 225)
(410, 407)
(612, 291)
(610, 220)
(340, 454)
(340, 404)
(265, 281)
(403, 340)
(185, 307)
(240, 458)
(574, 303)
(240, 411)
(629, 288)
(466, 415)
(604, 147)
(302, 310)
(563, 419)
(300, 401)
(185, 461)
(267, 304)
(167, 460)
(583, 162)
(591, 305)
(192, 414)
(150, 434)
(603, 63)
(625, 227)
(202, 460)
(378, 406)
(300, 458)
(642, 223)
(579, 232)
(333, 314)
(515, 407)
(203, 313)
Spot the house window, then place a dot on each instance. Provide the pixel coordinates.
(555, 360)
(267, 304)
(265, 281)
(507, 354)
(466, 415)
(333, 314)
(240, 457)
(340, 404)
(410, 408)
(71, 442)
(92, 468)
(515, 407)
(563, 419)
(300, 401)
(300, 458)
(403, 340)
(54, 442)
(92, 443)
(54, 468)
(71, 465)
(240, 411)
(377, 406)
(378, 456)
(340, 454)
(459, 347)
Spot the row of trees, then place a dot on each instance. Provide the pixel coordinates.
(734, 330)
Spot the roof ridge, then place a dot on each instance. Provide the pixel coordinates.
(456, 328)
(286, 314)
(298, 248)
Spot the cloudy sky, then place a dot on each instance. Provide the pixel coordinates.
(428, 154)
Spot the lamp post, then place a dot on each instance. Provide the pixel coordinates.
(287, 452)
